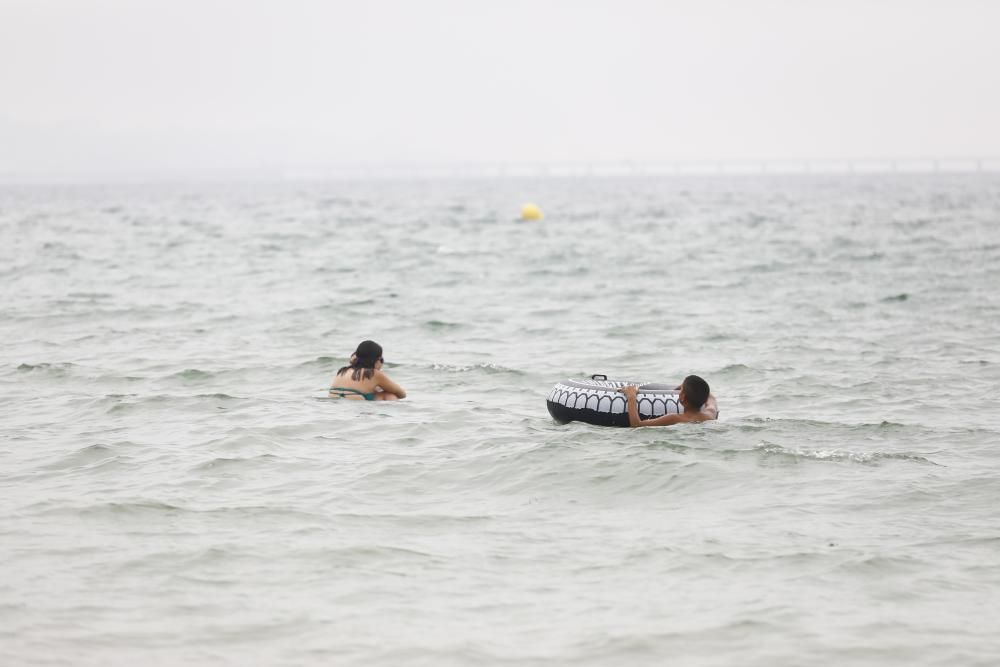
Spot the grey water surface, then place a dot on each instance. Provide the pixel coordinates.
(177, 488)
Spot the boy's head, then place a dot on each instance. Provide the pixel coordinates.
(695, 392)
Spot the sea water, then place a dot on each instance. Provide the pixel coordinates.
(177, 488)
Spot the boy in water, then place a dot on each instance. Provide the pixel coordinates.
(699, 404)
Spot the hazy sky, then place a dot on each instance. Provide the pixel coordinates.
(91, 86)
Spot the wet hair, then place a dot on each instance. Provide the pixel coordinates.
(363, 360)
(695, 391)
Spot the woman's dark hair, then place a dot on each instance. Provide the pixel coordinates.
(363, 360)
(696, 391)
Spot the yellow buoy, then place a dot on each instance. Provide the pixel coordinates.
(531, 212)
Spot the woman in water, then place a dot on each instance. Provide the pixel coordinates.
(363, 377)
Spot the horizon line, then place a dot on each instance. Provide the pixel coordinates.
(515, 169)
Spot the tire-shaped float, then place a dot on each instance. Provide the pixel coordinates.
(598, 401)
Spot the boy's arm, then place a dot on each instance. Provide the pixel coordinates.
(633, 411)
(711, 408)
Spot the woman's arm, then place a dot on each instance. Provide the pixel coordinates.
(382, 380)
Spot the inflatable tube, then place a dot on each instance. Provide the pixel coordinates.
(598, 401)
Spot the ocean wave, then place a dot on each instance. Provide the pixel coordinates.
(333, 269)
(118, 404)
(488, 368)
(774, 266)
(759, 423)
(441, 325)
(884, 564)
(867, 257)
(88, 457)
(194, 374)
(144, 508)
(838, 455)
(234, 463)
(92, 296)
(57, 369)
(120, 407)
(335, 201)
(736, 370)
(412, 517)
